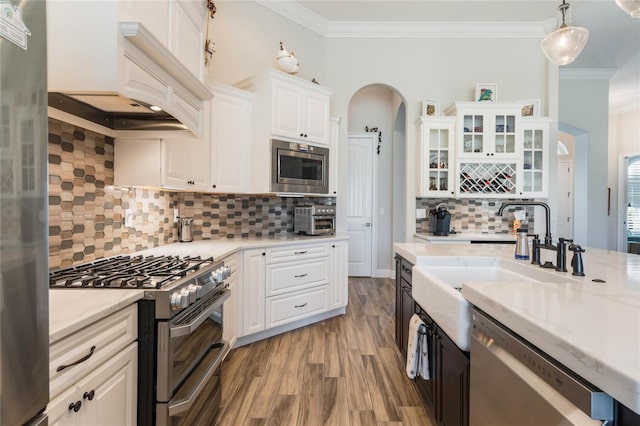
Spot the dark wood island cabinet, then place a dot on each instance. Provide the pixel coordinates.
(446, 394)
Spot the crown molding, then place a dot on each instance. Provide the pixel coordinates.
(435, 29)
(299, 14)
(586, 73)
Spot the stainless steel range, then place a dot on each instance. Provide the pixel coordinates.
(179, 330)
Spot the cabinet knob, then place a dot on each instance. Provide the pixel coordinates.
(305, 135)
(214, 186)
(301, 134)
(89, 395)
(75, 406)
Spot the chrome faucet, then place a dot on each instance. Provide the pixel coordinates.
(560, 249)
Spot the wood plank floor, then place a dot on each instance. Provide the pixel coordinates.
(343, 371)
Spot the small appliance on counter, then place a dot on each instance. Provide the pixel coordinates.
(439, 221)
(184, 229)
(314, 220)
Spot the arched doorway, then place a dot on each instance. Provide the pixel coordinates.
(381, 108)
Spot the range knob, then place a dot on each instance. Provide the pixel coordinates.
(192, 291)
(218, 275)
(226, 272)
(179, 300)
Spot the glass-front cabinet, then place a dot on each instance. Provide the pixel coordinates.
(535, 157)
(488, 129)
(435, 156)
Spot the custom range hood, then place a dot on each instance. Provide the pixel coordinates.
(121, 77)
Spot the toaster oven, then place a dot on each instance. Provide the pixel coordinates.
(314, 220)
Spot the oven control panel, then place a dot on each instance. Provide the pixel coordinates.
(198, 287)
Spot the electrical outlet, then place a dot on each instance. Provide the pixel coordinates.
(128, 218)
(421, 213)
(175, 215)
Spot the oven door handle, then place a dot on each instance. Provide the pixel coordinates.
(183, 405)
(186, 329)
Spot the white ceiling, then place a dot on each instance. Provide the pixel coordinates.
(613, 45)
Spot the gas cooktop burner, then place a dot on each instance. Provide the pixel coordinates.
(139, 272)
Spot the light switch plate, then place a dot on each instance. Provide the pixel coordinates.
(421, 213)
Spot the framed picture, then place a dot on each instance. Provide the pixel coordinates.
(430, 107)
(486, 92)
(530, 108)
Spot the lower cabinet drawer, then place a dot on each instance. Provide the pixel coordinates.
(297, 305)
(292, 276)
(82, 352)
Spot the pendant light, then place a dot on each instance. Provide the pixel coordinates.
(632, 7)
(564, 44)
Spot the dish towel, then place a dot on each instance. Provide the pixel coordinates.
(417, 349)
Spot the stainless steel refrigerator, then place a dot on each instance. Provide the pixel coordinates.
(24, 301)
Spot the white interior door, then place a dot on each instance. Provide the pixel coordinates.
(565, 199)
(360, 205)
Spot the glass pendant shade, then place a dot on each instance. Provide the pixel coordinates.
(564, 44)
(632, 7)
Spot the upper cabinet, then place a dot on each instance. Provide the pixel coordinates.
(483, 150)
(127, 53)
(287, 108)
(173, 162)
(435, 156)
(488, 130)
(297, 110)
(230, 139)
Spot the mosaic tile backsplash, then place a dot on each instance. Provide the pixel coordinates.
(474, 216)
(86, 211)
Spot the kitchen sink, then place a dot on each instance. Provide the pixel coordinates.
(438, 280)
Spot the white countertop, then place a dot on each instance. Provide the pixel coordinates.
(465, 238)
(72, 309)
(592, 328)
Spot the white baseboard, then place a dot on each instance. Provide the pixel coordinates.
(384, 273)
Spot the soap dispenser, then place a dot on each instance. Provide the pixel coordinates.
(522, 244)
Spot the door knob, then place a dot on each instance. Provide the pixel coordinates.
(368, 224)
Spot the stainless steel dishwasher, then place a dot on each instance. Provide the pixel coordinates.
(513, 383)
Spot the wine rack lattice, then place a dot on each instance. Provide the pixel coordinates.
(488, 178)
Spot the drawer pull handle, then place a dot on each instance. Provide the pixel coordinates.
(81, 360)
(301, 306)
(301, 252)
(89, 395)
(300, 276)
(75, 406)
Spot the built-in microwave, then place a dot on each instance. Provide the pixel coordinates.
(299, 168)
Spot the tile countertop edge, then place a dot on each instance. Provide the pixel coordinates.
(73, 309)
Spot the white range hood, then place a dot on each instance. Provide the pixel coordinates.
(120, 69)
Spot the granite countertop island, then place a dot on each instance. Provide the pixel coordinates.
(591, 327)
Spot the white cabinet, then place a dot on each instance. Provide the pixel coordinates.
(334, 148)
(488, 130)
(288, 283)
(339, 287)
(185, 164)
(231, 310)
(287, 108)
(127, 49)
(93, 373)
(535, 158)
(253, 291)
(300, 111)
(489, 149)
(436, 163)
(297, 283)
(230, 139)
(173, 163)
(107, 396)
